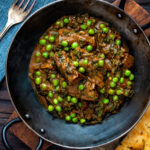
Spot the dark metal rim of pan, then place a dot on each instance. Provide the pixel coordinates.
(115, 7)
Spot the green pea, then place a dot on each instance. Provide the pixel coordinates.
(81, 69)
(81, 87)
(119, 92)
(80, 104)
(89, 22)
(93, 20)
(61, 24)
(108, 74)
(58, 108)
(53, 76)
(101, 63)
(46, 37)
(66, 20)
(38, 80)
(115, 98)
(48, 47)
(131, 77)
(115, 79)
(122, 80)
(67, 118)
(76, 63)
(51, 54)
(64, 84)
(43, 86)
(126, 93)
(58, 23)
(45, 54)
(74, 100)
(60, 99)
(83, 27)
(68, 98)
(37, 73)
(55, 82)
(102, 56)
(106, 101)
(66, 49)
(42, 42)
(64, 43)
(55, 101)
(89, 48)
(37, 54)
(105, 29)
(85, 62)
(82, 120)
(102, 91)
(129, 83)
(112, 36)
(50, 108)
(111, 92)
(74, 120)
(127, 72)
(72, 115)
(91, 31)
(101, 25)
(50, 94)
(74, 45)
(57, 88)
(51, 39)
(112, 84)
(118, 42)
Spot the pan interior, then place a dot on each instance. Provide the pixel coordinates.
(23, 96)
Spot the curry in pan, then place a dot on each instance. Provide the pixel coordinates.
(81, 69)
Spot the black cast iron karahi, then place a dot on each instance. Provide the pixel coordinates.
(36, 117)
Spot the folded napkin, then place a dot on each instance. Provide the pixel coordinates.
(6, 40)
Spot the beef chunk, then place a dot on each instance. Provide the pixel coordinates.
(70, 36)
(89, 93)
(128, 60)
(66, 67)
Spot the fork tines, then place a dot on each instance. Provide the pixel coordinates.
(25, 5)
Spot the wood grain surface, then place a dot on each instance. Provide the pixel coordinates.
(140, 15)
(23, 133)
(20, 130)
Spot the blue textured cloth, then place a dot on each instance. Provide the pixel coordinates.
(6, 40)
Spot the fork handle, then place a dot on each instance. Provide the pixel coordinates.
(5, 29)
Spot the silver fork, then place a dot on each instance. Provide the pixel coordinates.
(16, 14)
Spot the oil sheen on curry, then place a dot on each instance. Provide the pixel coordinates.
(81, 69)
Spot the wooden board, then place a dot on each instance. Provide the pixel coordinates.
(26, 135)
(140, 15)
